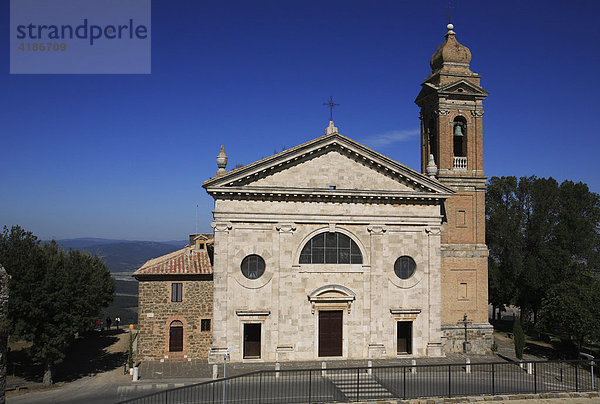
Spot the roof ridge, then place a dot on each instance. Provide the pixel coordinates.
(183, 261)
(159, 260)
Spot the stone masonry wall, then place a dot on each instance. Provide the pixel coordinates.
(157, 312)
(479, 335)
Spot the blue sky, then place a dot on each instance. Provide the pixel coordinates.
(124, 156)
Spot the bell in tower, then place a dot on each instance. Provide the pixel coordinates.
(458, 130)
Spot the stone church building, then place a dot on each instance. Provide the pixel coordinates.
(332, 250)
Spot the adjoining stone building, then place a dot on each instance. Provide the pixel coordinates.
(332, 250)
(175, 303)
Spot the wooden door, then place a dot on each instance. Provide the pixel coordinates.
(404, 337)
(176, 337)
(330, 333)
(252, 340)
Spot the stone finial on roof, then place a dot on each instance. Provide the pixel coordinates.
(451, 54)
(331, 129)
(431, 168)
(221, 161)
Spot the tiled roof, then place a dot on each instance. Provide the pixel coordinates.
(180, 262)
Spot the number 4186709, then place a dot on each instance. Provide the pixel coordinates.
(43, 46)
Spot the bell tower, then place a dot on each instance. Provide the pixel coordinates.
(451, 106)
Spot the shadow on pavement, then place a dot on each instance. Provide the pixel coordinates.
(87, 356)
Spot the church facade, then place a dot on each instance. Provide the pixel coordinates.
(330, 250)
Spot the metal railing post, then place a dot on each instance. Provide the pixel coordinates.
(534, 378)
(592, 371)
(166, 396)
(260, 386)
(493, 380)
(449, 380)
(357, 382)
(576, 377)
(309, 387)
(404, 382)
(561, 372)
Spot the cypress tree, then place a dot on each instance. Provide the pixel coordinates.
(519, 337)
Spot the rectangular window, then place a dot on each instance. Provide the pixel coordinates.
(461, 218)
(205, 324)
(462, 291)
(176, 292)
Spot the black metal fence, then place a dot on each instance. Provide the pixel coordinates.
(386, 382)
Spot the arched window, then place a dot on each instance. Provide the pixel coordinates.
(331, 248)
(433, 147)
(405, 267)
(253, 266)
(459, 129)
(176, 336)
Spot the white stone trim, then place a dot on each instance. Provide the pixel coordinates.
(258, 313)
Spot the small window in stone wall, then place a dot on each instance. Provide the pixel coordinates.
(205, 324)
(176, 292)
(405, 267)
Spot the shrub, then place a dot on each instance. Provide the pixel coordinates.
(519, 337)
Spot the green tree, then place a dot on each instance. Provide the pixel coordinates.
(504, 236)
(519, 337)
(53, 294)
(536, 231)
(572, 308)
(542, 260)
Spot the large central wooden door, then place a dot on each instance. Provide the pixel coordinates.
(330, 333)
(252, 340)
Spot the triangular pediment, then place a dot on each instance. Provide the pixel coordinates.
(330, 166)
(463, 87)
(460, 88)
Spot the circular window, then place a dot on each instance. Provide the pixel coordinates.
(253, 266)
(405, 267)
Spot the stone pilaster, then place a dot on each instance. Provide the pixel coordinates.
(377, 280)
(434, 279)
(221, 297)
(287, 328)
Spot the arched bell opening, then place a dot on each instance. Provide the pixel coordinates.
(433, 142)
(459, 131)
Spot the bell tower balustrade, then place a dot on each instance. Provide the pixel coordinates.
(460, 163)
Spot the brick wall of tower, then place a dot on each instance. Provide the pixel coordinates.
(447, 94)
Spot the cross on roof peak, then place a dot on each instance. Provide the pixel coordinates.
(331, 105)
(449, 14)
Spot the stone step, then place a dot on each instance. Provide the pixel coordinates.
(368, 386)
(134, 390)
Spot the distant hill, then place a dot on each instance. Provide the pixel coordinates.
(123, 255)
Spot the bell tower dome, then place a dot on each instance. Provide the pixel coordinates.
(451, 113)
